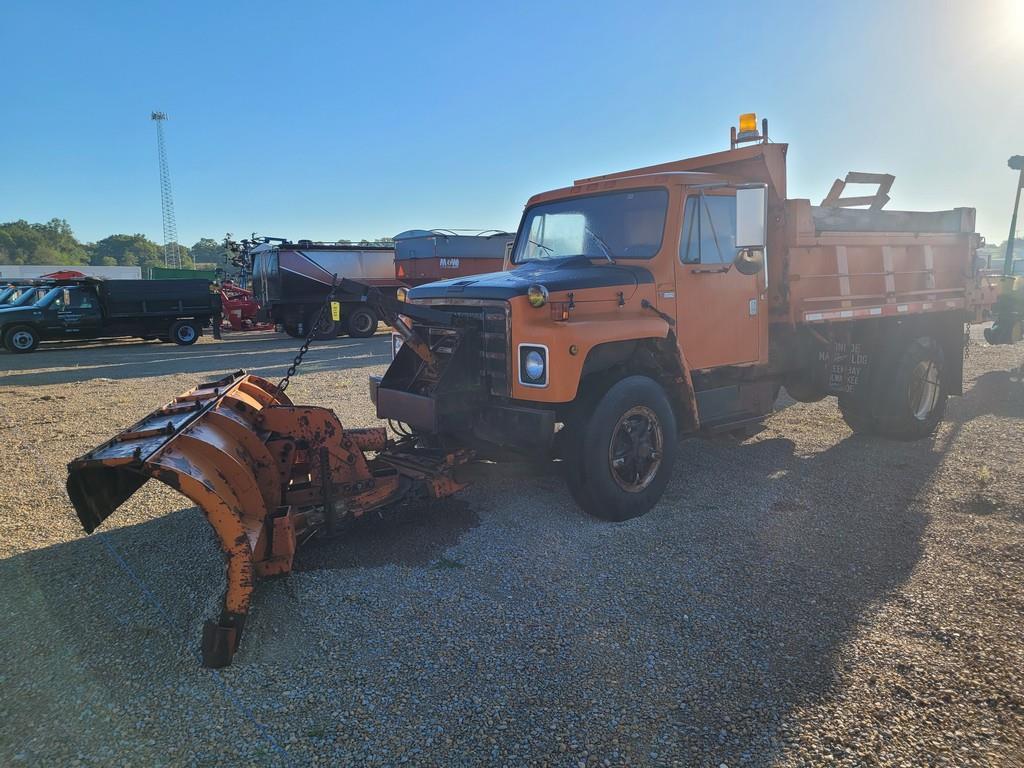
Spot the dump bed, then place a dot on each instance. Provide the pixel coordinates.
(147, 298)
(423, 256)
(304, 271)
(844, 263)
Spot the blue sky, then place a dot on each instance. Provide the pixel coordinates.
(331, 120)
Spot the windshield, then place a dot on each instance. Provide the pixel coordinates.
(25, 297)
(620, 225)
(50, 297)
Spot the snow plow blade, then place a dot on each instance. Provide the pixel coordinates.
(266, 474)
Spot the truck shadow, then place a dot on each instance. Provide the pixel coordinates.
(406, 536)
(263, 353)
(764, 563)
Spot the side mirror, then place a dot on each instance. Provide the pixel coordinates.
(751, 216)
(751, 229)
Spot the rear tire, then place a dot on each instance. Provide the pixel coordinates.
(802, 390)
(327, 329)
(184, 332)
(21, 339)
(857, 414)
(362, 323)
(620, 455)
(912, 401)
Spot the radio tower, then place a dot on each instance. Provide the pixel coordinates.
(172, 256)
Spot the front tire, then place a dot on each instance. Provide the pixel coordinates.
(184, 333)
(21, 339)
(362, 323)
(621, 453)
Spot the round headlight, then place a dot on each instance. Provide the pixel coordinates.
(533, 365)
(537, 295)
(402, 294)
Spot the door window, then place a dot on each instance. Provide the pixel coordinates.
(80, 299)
(709, 230)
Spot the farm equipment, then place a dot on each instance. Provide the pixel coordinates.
(1008, 327)
(240, 309)
(637, 307)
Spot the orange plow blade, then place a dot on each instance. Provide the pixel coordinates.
(265, 473)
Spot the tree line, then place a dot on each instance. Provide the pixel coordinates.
(55, 243)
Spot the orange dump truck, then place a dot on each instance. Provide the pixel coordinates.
(634, 308)
(677, 299)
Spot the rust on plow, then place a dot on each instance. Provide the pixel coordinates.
(266, 474)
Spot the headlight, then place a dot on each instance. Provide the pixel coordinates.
(537, 295)
(396, 344)
(533, 365)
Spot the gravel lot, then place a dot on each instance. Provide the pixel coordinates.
(805, 597)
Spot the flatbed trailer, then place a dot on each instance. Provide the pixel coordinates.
(635, 309)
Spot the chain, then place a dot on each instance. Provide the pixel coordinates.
(283, 384)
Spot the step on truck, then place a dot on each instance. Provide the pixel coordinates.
(637, 308)
(96, 308)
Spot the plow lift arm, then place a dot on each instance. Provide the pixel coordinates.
(266, 474)
(393, 311)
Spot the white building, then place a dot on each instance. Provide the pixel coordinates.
(12, 271)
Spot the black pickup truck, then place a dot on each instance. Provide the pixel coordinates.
(171, 310)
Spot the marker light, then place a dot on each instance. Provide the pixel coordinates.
(537, 295)
(748, 123)
(402, 294)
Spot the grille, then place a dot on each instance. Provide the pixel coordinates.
(492, 322)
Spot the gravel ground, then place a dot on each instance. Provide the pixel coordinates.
(805, 597)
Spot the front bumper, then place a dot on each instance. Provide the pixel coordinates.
(506, 425)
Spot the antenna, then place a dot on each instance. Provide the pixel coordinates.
(172, 256)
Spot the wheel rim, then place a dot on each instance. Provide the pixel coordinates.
(21, 340)
(636, 449)
(924, 389)
(186, 333)
(362, 322)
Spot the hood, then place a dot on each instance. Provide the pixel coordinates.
(573, 274)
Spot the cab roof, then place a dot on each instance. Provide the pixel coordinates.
(757, 162)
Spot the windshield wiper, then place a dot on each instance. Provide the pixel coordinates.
(549, 249)
(604, 246)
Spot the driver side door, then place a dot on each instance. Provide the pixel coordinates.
(77, 312)
(717, 307)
